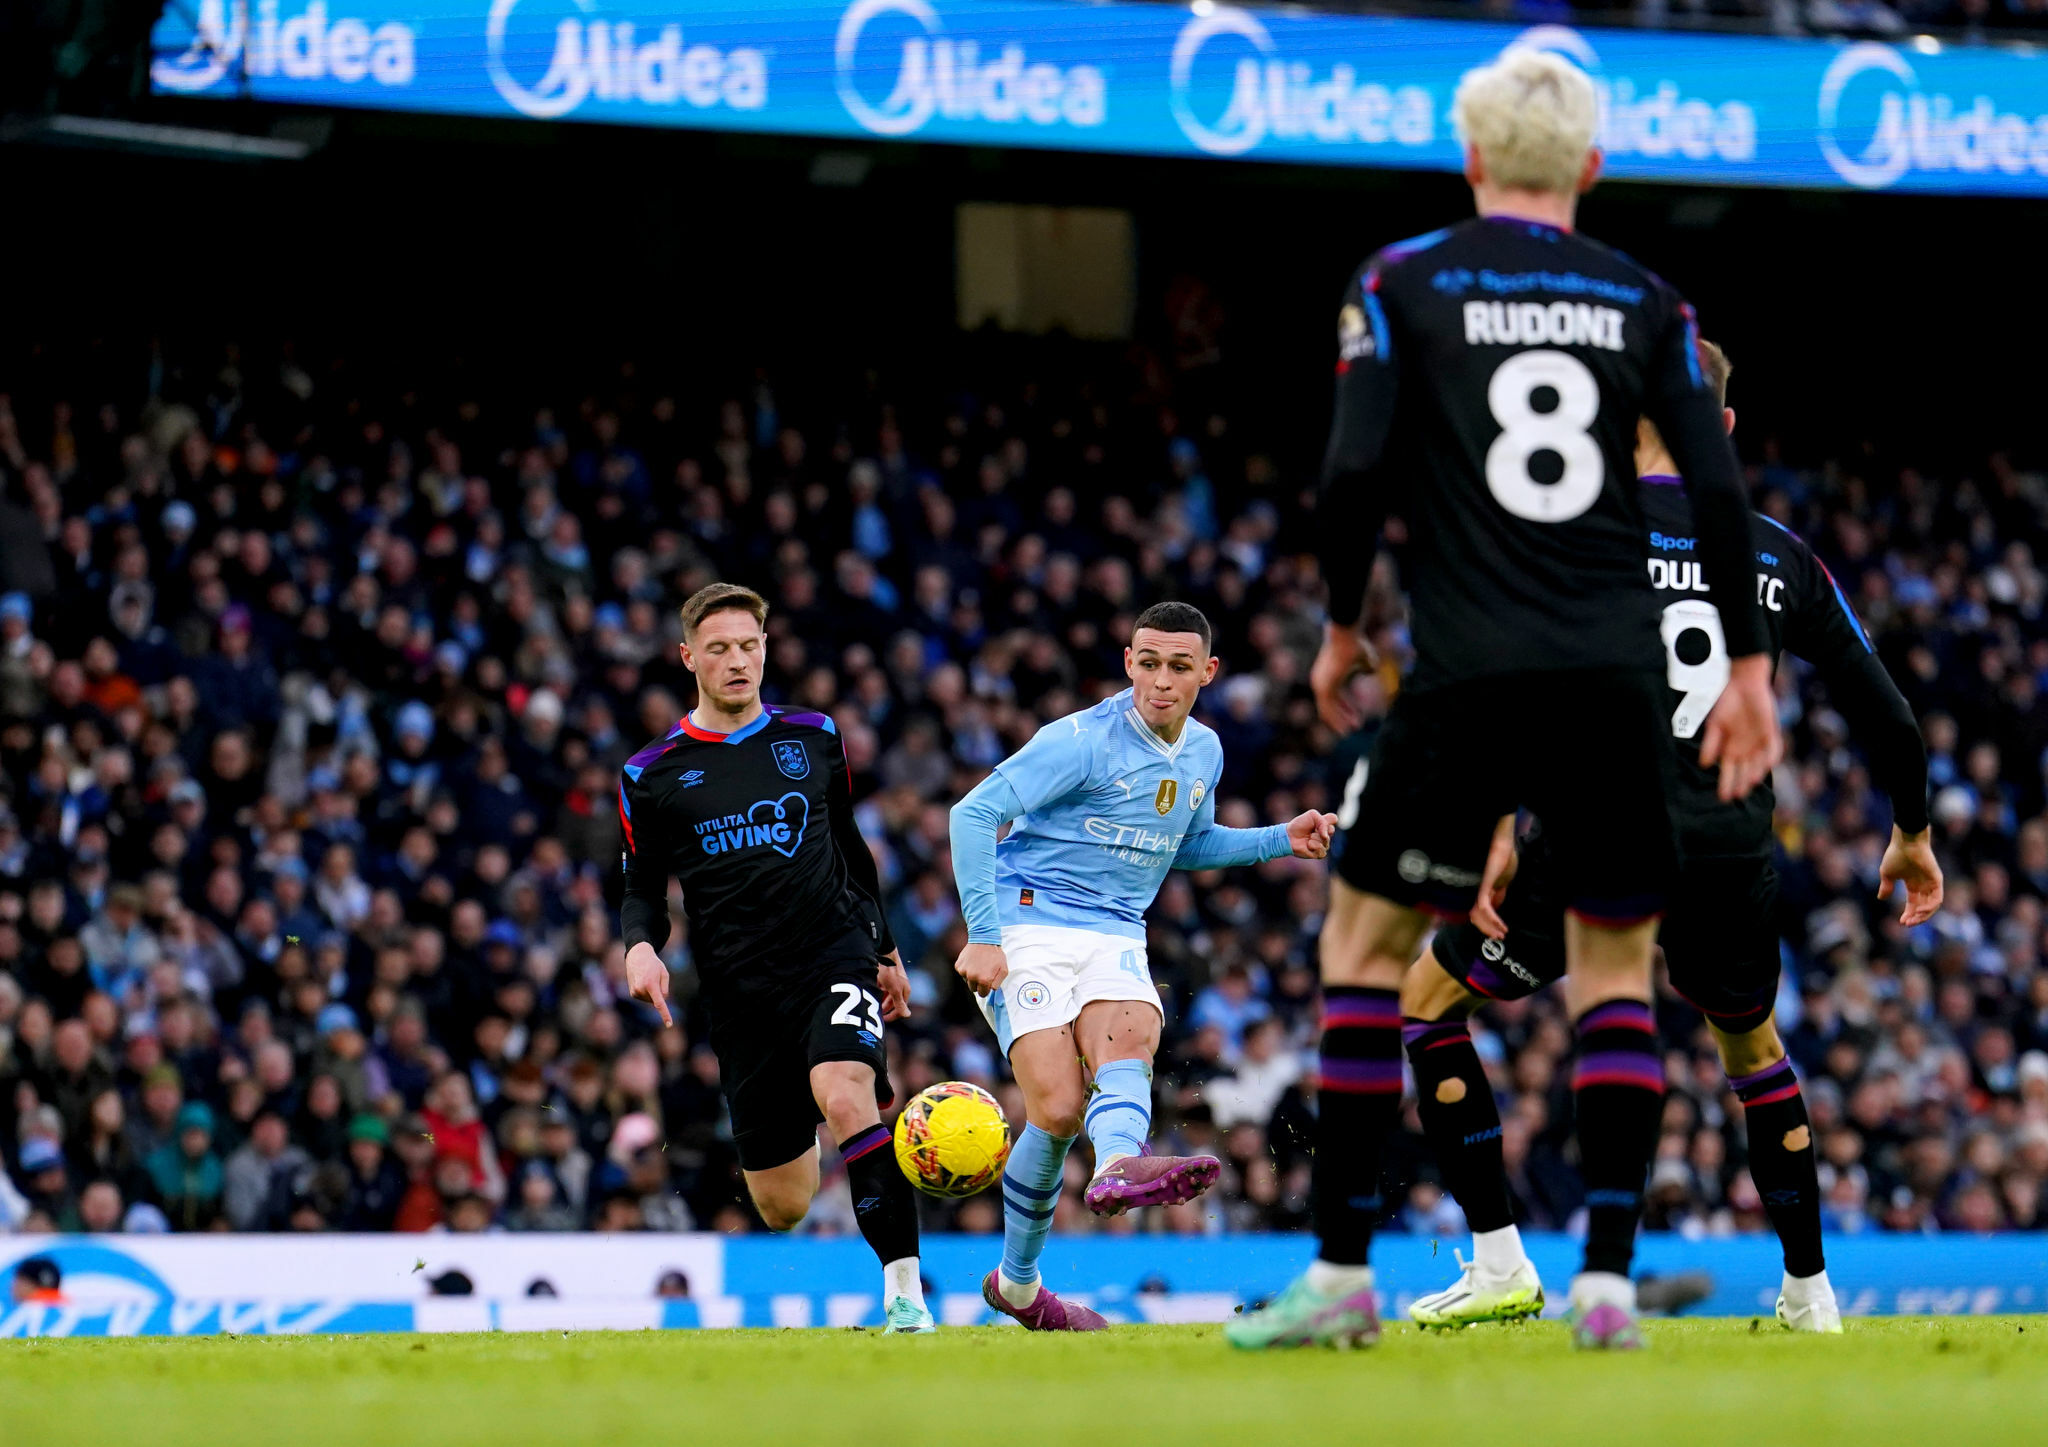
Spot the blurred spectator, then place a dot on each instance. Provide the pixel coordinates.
(310, 732)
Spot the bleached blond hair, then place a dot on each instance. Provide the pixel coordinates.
(1531, 115)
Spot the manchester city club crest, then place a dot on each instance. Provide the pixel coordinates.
(1195, 796)
(1033, 995)
(791, 759)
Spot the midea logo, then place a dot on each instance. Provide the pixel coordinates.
(938, 75)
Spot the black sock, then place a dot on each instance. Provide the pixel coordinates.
(882, 1202)
(1618, 1086)
(1358, 1102)
(1781, 1162)
(1455, 1101)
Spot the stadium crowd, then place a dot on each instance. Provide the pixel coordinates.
(313, 699)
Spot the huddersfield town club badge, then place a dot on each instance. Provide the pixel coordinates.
(791, 759)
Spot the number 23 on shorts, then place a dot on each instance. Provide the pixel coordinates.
(848, 1012)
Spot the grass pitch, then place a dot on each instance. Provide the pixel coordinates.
(1981, 1380)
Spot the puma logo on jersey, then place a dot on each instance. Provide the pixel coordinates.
(1532, 324)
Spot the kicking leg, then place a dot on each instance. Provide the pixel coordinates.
(783, 1194)
(1618, 1090)
(1118, 1039)
(882, 1201)
(1048, 1071)
(1366, 945)
(1459, 1115)
(1781, 1162)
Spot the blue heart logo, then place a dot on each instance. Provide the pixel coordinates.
(781, 813)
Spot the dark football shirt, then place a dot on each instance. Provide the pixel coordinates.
(1804, 613)
(758, 824)
(1490, 376)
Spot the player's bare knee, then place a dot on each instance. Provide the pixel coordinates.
(781, 1215)
(849, 1112)
(1118, 1030)
(845, 1092)
(1747, 1052)
(1057, 1107)
(1428, 992)
(1367, 941)
(1060, 1120)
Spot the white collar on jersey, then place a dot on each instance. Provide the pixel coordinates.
(1171, 750)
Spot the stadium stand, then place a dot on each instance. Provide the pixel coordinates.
(313, 694)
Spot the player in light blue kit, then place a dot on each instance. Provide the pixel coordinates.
(1104, 802)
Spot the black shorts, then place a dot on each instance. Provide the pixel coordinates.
(766, 1046)
(1719, 936)
(1589, 751)
(1532, 955)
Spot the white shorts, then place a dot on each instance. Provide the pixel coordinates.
(1054, 971)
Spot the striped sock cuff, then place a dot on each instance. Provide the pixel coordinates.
(1350, 1007)
(1421, 1035)
(1618, 1046)
(1617, 1015)
(1361, 1049)
(866, 1142)
(1773, 1083)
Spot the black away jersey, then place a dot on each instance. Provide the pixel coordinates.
(1805, 613)
(758, 825)
(1490, 377)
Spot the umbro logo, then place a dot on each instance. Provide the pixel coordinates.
(692, 779)
(869, 1037)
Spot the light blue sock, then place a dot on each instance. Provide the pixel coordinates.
(1031, 1192)
(1120, 1111)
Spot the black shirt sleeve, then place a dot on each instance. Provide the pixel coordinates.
(1355, 494)
(853, 847)
(1821, 628)
(1688, 415)
(643, 914)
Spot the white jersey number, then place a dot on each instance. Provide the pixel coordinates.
(848, 1011)
(1354, 789)
(1525, 432)
(1700, 682)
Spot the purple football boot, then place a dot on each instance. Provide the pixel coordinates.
(1138, 1181)
(1046, 1312)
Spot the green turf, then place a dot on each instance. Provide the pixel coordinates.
(1979, 1380)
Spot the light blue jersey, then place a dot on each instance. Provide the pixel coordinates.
(1102, 808)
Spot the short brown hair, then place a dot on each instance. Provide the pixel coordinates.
(1715, 367)
(717, 598)
(1174, 617)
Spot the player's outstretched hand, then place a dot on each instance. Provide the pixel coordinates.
(1742, 731)
(1343, 656)
(647, 979)
(1501, 863)
(1909, 860)
(983, 967)
(1309, 834)
(895, 983)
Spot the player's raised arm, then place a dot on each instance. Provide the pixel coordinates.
(1742, 731)
(643, 913)
(1353, 500)
(1821, 628)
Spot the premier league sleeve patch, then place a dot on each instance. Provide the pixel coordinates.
(791, 758)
